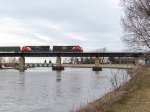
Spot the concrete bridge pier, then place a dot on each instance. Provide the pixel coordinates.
(119, 60)
(136, 60)
(97, 65)
(22, 67)
(58, 66)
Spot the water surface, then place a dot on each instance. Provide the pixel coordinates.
(44, 90)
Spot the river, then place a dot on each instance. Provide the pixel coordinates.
(44, 90)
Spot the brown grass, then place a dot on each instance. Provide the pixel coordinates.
(134, 96)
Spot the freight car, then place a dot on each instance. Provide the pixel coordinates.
(35, 48)
(9, 49)
(67, 49)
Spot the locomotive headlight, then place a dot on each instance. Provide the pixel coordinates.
(29, 48)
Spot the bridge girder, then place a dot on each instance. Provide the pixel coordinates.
(71, 54)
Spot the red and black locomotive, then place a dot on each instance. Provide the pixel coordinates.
(41, 49)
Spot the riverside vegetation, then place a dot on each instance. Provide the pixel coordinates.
(133, 96)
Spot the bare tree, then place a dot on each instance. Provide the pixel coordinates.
(2, 60)
(136, 24)
(11, 62)
(118, 79)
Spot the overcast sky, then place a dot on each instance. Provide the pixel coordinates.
(91, 24)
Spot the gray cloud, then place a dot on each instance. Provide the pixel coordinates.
(89, 23)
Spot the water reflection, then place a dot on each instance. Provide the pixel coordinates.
(97, 72)
(21, 80)
(58, 76)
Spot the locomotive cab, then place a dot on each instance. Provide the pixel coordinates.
(25, 49)
(77, 49)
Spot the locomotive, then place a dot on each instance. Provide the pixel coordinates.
(16, 49)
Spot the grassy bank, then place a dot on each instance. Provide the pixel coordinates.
(134, 96)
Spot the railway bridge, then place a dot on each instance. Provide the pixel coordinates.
(58, 56)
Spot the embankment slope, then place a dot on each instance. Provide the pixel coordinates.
(134, 96)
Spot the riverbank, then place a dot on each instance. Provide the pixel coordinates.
(119, 66)
(134, 96)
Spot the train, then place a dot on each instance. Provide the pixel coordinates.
(17, 49)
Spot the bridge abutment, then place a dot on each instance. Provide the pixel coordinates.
(22, 67)
(97, 65)
(58, 66)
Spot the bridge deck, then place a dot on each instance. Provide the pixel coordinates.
(72, 54)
